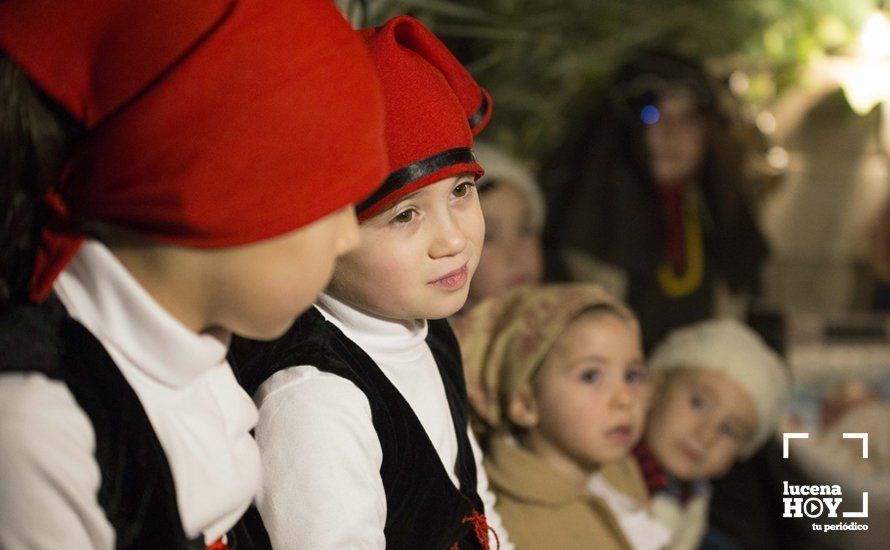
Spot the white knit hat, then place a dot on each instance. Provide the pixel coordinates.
(731, 348)
(503, 168)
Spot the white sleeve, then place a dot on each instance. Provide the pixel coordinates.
(49, 477)
(321, 463)
(488, 500)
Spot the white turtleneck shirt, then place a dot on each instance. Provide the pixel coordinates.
(49, 477)
(321, 455)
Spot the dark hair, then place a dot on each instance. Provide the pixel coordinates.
(35, 139)
(646, 78)
(600, 176)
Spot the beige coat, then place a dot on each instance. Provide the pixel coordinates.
(542, 510)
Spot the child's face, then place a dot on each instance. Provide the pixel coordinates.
(591, 394)
(512, 254)
(699, 421)
(257, 290)
(417, 257)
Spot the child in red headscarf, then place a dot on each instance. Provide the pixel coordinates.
(363, 427)
(196, 163)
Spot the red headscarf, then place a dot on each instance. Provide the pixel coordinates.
(433, 109)
(210, 123)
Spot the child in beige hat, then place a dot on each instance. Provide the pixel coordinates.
(556, 377)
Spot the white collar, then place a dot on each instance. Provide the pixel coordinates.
(99, 292)
(394, 338)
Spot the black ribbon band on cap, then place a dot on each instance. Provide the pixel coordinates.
(417, 170)
(480, 113)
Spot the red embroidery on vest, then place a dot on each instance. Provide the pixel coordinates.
(481, 528)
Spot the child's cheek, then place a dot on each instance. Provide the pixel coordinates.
(476, 229)
(645, 396)
(728, 454)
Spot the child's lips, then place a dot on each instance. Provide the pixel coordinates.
(620, 434)
(453, 279)
(689, 452)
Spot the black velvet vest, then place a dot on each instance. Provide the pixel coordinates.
(424, 510)
(137, 491)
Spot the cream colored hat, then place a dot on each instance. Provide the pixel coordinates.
(731, 348)
(501, 167)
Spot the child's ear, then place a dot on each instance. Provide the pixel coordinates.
(523, 410)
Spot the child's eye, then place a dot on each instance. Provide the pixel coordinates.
(697, 402)
(590, 376)
(463, 189)
(729, 431)
(404, 216)
(635, 376)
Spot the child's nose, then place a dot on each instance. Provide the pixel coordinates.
(349, 236)
(707, 432)
(449, 238)
(621, 396)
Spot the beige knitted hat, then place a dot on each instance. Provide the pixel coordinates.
(505, 339)
(731, 348)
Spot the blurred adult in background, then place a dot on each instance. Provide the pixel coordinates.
(514, 210)
(513, 207)
(653, 182)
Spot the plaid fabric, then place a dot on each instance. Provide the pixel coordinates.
(654, 475)
(658, 480)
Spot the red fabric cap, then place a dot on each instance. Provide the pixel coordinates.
(433, 108)
(210, 123)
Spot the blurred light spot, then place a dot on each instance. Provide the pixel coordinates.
(739, 82)
(649, 114)
(875, 37)
(832, 31)
(766, 122)
(777, 157)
